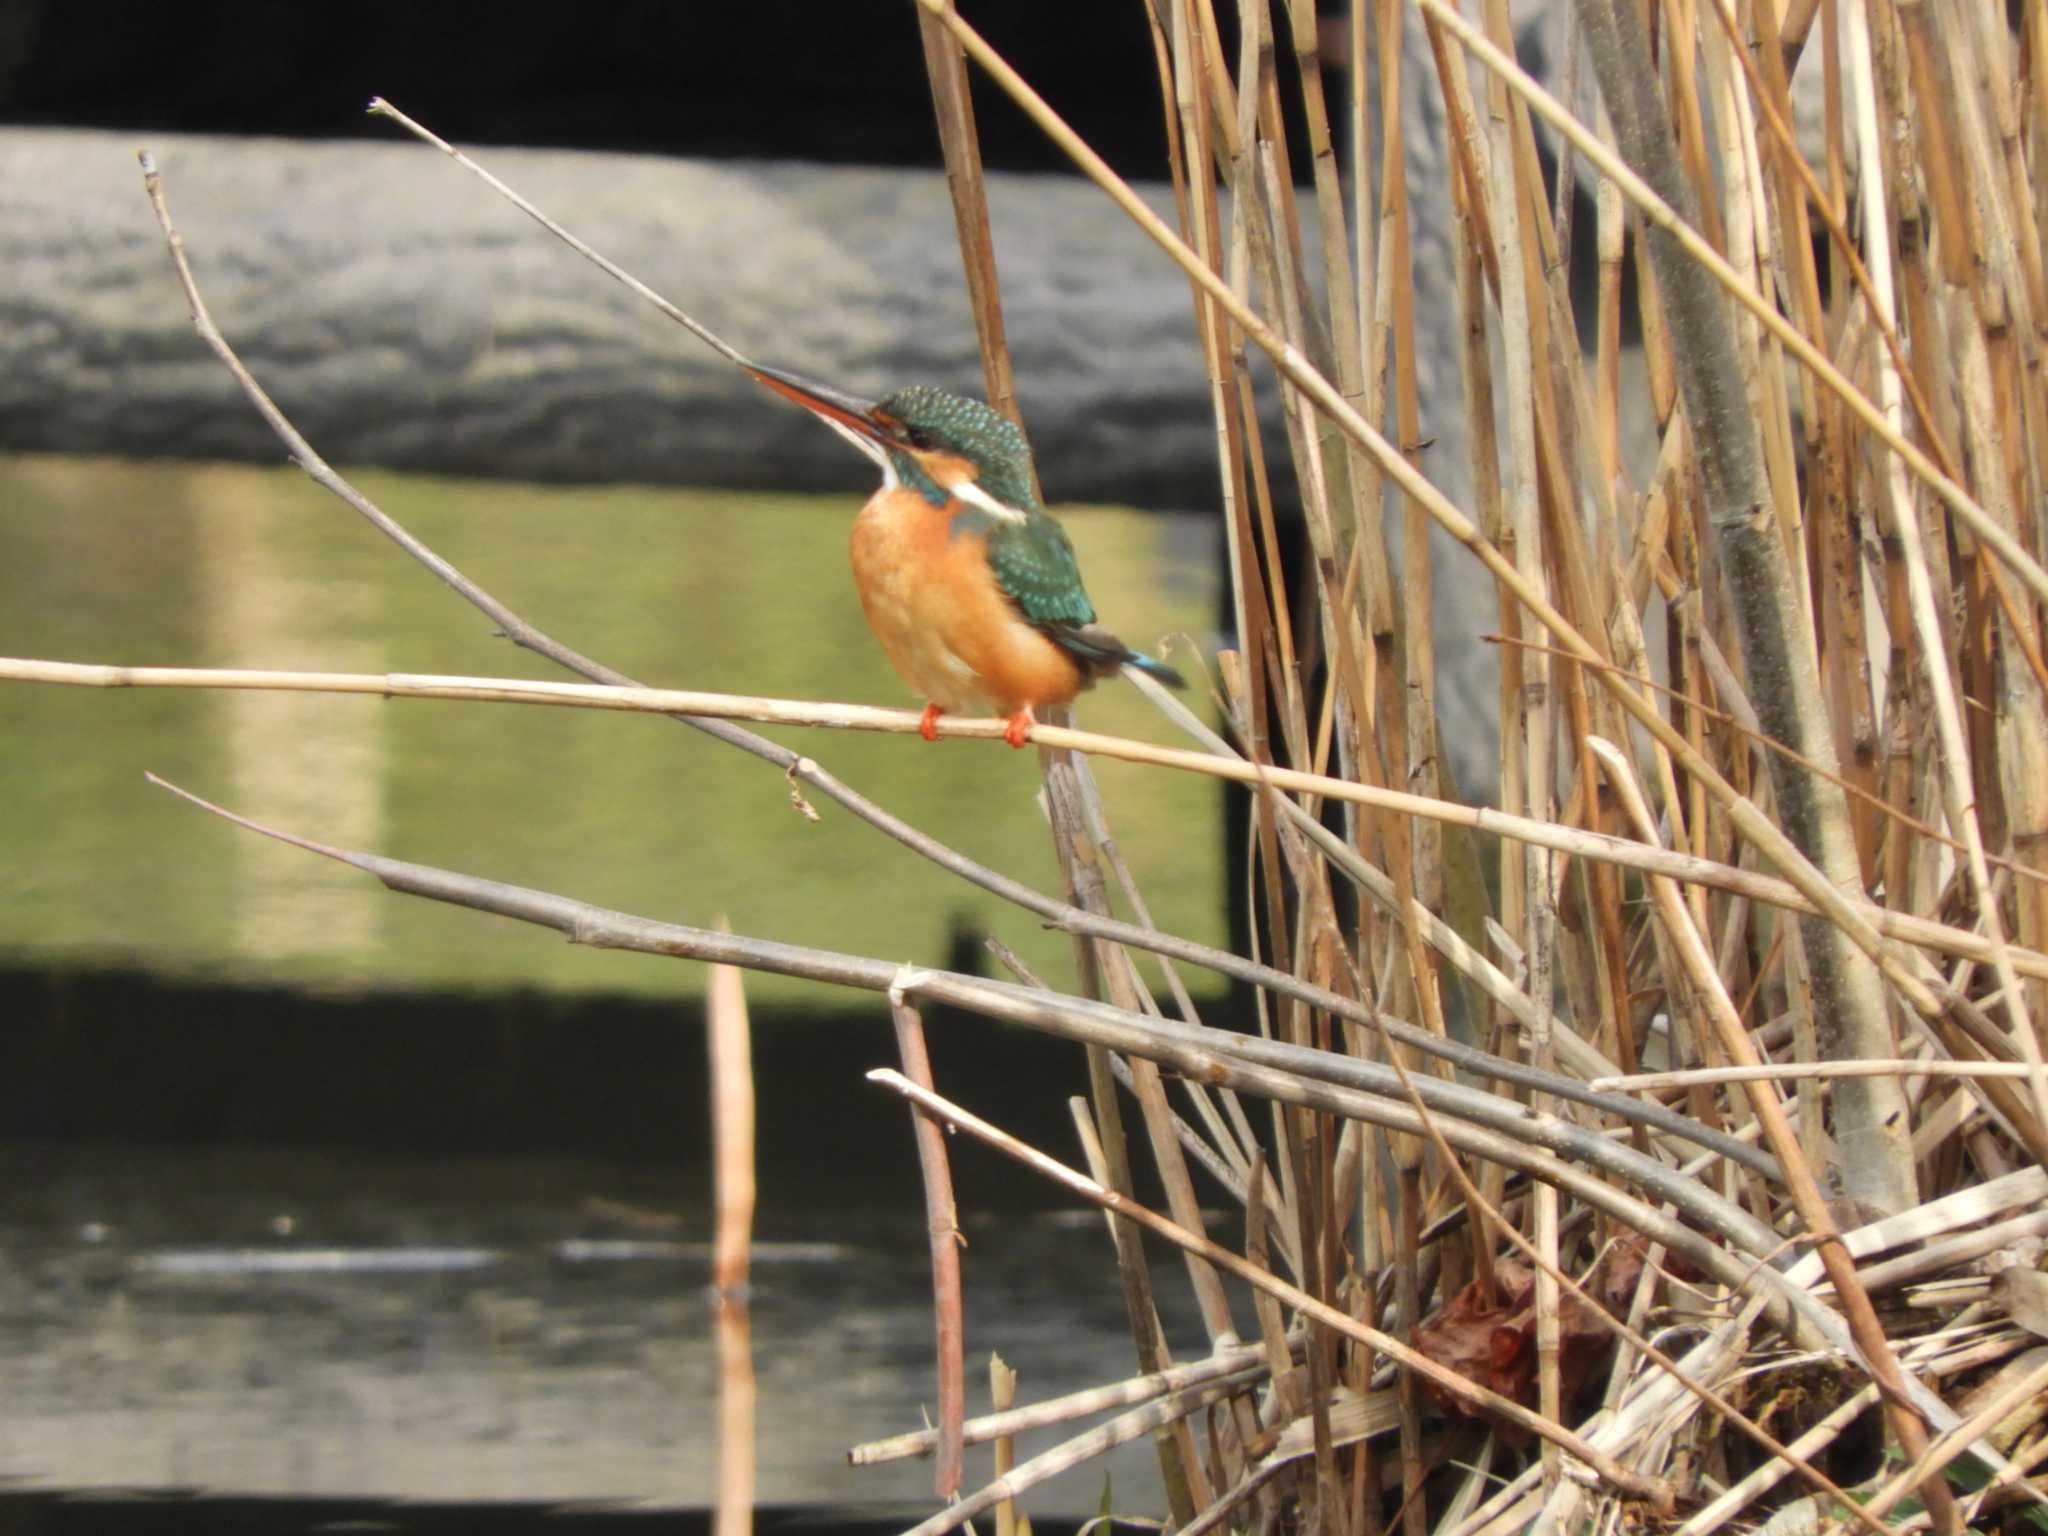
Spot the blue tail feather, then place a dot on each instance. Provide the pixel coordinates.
(1100, 653)
(1157, 668)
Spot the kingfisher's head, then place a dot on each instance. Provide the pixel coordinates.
(938, 444)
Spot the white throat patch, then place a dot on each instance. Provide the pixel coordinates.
(868, 446)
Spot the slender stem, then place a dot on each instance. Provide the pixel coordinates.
(1239, 1366)
(942, 1223)
(1781, 1071)
(379, 107)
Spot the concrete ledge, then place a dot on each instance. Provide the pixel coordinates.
(405, 316)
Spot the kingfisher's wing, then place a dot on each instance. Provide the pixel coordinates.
(1034, 564)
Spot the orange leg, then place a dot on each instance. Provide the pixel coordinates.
(928, 726)
(1018, 731)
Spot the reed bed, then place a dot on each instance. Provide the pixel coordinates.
(1779, 609)
(1667, 1148)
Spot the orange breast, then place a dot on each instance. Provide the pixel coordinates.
(933, 602)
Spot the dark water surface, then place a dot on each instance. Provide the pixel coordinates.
(302, 1324)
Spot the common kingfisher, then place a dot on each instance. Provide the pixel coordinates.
(970, 584)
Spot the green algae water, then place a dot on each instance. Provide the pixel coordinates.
(229, 566)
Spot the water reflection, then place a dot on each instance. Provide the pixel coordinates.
(291, 761)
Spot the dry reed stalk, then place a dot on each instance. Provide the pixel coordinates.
(1179, 1459)
(942, 1232)
(729, 1042)
(1528, 876)
(1002, 1395)
(732, 1127)
(1257, 596)
(952, 103)
(1245, 1362)
(733, 1509)
(1262, 180)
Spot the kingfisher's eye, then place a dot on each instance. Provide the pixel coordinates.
(920, 438)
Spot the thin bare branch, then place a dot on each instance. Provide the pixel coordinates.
(715, 708)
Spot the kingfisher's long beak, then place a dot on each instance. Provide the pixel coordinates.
(850, 416)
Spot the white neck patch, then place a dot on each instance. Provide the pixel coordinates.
(975, 496)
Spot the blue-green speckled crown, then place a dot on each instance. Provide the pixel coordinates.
(992, 442)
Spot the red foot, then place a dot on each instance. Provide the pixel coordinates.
(928, 726)
(1018, 731)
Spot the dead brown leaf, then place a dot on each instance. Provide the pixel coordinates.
(1496, 1345)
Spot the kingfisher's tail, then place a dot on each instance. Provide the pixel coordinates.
(1156, 667)
(1101, 654)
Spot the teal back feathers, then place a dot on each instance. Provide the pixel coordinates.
(1034, 564)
